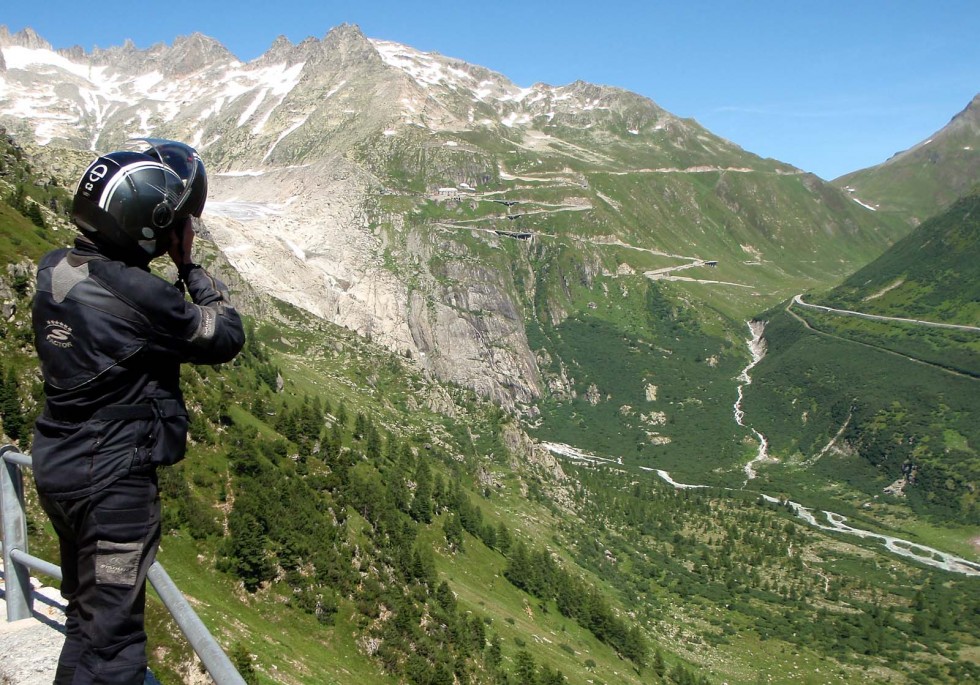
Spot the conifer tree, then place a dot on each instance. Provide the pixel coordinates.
(552, 677)
(10, 410)
(33, 212)
(372, 446)
(453, 531)
(247, 550)
(422, 502)
(360, 426)
(495, 653)
(503, 538)
(659, 666)
(398, 490)
(242, 659)
(525, 670)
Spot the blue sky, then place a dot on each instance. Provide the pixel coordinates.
(829, 86)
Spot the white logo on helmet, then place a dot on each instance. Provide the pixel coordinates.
(95, 174)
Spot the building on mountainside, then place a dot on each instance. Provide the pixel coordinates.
(518, 235)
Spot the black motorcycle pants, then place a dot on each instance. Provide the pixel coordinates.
(108, 542)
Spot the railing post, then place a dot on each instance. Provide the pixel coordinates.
(17, 577)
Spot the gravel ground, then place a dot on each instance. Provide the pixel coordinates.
(30, 647)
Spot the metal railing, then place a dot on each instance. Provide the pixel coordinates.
(18, 564)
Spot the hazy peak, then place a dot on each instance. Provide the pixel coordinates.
(349, 45)
(194, 52)
(26, 38)
(970, 114)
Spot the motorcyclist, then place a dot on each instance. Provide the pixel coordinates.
(111, 337)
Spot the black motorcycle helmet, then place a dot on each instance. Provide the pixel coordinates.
(130, 202)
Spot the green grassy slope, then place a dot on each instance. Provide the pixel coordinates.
(932, 273)
(896, 395)
(877, 409)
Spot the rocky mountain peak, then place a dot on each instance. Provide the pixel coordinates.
(26, 38)
(76, 53)
(346, 45)
(963, 127)
(126, 57)
(285, 51)
(279, 51)
(970, 116)
(195, 52)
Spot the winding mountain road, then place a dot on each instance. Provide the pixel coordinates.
(877, 317)
(806, 324)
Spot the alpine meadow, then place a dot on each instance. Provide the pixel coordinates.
(541, 385)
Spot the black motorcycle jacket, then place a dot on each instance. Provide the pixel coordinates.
(110, 338)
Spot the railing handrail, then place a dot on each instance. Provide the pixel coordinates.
(19, 594)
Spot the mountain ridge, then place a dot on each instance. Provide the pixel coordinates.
(926, 179)
(329, 160)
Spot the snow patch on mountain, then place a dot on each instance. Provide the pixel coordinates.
(516, 119)
(17, 57)
(434, 72)
(425, 68)
(103, 91)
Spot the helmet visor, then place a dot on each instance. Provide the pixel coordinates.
(179, 157)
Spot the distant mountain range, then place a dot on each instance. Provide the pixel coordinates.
(377, 186)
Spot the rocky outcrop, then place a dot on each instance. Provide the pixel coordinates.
(194, 53)
(530, 453)
(326, 256)
(26, 38)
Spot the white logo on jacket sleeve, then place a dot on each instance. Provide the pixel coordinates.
(58, 334)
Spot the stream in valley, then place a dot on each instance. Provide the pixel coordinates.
(823, 520)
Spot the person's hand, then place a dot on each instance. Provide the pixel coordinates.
(182, 241)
